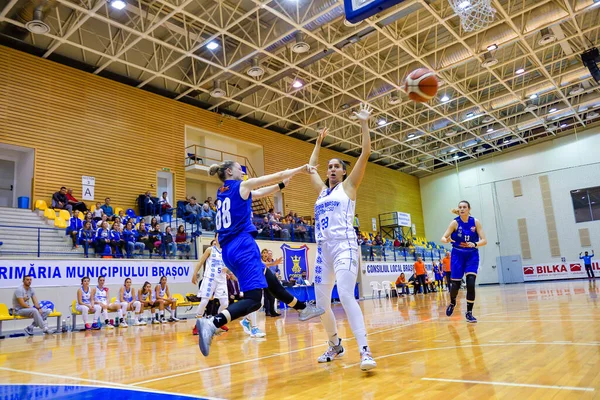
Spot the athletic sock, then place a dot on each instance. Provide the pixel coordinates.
(469, 307)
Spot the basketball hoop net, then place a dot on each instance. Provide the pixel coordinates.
(473, 14)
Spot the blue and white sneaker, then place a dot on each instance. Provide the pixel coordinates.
(257, 333)
(332, 353)
(246, 325)
(450, 310)
(470, 318)
(206, 331)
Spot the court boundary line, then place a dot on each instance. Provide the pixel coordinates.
(477, 345)
(99, 384)
(495, 383)
(132, 388)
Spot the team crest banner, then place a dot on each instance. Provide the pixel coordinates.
(295, 260)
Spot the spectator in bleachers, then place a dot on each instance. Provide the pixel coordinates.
(116, 240)
(397, 243)
(301, 280)
(88, 217)
(75, 204)
(153, 223)
(183, 245)
(102, 220)
(207, 217)
(378, 240)
(85, 304)
(60, 201)
(98, 212)
(75, 225)
(144, 236)
(130, 236)
(117, 223)
(87, 236)
(193, 208)
(21, 307)
(102, 239)
(155, 237)
(402, 285)
(108, 210)
(122, 217)
(150, 207)
(263, 228)
(211, 204)
(169, 243)
(277, 227)
(360, 239)
(300, 231)
(164, 204)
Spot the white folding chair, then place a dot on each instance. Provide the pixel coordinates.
(375, 287)
(386, 286)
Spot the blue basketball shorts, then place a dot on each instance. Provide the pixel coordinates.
(463, 262)
(242, 256)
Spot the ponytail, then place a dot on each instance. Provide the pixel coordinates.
(455, 210)
(220, 169)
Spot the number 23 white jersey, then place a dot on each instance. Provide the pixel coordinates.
(334, 214)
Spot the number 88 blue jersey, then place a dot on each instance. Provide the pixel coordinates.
(234, 214)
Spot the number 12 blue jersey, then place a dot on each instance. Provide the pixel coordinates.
(234, 214)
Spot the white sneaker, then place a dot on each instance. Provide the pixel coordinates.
(175, 319)
(366, 360)
(123, 324)
(110, 326)
(311, 311)
(206, 331)
(155, 321)
(257, 333)
(137, 322)
(245, 324)
(332, 353)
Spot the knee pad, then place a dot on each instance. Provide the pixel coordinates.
(471, 287)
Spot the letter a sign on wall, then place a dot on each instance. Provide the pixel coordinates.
(87, 187)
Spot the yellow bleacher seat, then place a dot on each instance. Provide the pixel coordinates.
(4, 315)
(113, 300)
(60, 223)
(117, 209)
(80, 216)
(49, 213)
(64, 214)
(41, 205)
(93, 208)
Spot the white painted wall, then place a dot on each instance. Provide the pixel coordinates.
(571, 162)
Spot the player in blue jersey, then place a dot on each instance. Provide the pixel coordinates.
(466, 235)
(240, 252)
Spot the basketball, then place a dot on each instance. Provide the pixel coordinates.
(421, 85)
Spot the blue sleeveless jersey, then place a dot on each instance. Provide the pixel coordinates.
(234, 214)
(465, 232)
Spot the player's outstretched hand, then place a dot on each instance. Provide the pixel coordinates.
(310, 169)
(364, 113)
(322, 135)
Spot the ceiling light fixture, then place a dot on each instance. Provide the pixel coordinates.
(445, 98)
(118, 4)
(297, 83)
(552, 110)
(470, 114)
(490, 130)
(533, 96)
(394, 98)
(576, 90)
(520, 71)
(212, 45)
(455, 156)
(300, 46)
(411, 135)
(547, 37)
(488, 60)
(563, 125)
(381, 122)
(492, 47)
(217, 90)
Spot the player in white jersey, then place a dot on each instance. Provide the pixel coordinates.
(147, 297)
(129, 302)
(214, 280)
(85, 304)
(100, 296)
(337, 247)
(163, 295)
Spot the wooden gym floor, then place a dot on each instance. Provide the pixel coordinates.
(533, 341)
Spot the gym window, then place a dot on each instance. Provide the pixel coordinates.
(586, 204)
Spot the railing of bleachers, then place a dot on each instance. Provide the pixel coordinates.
(400, 254)
(59, 238)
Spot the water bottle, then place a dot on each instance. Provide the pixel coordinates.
(64, 326)
(69, 328)
(129, 321)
